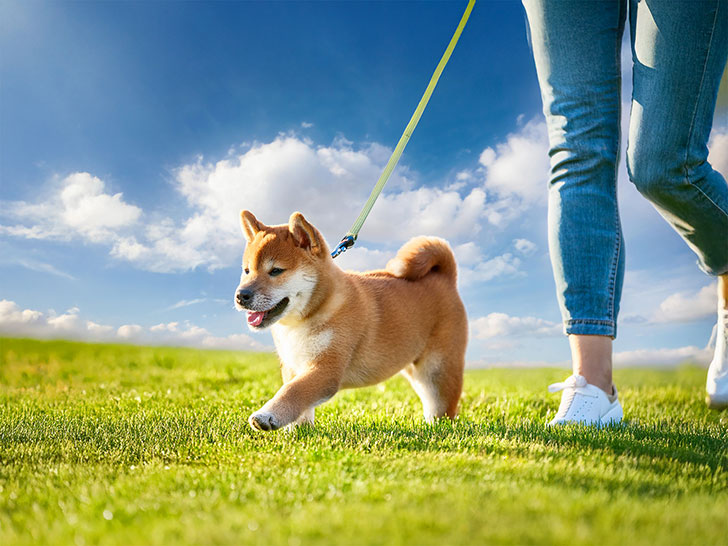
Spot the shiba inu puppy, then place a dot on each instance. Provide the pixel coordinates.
(336, 330)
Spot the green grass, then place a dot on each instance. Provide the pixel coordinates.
(114, 444)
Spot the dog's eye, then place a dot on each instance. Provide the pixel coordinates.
(276, 271)
(247, 271)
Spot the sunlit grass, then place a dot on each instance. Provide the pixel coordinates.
(114, 444)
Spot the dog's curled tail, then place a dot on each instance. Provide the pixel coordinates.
(421, 256)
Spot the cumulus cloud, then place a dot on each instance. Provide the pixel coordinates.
(662, 357)
(513, 173)
(79, 207)
(689, 306)
(364, 259)
(485, 364)
(524, 246)
(501, 325)
(327, 183)
(15, 321)
(426, 211)
(474, 267)
(643, 357)
(505, 264)
(519, 166)
(28, 322)
(468, 254)
(718, 146)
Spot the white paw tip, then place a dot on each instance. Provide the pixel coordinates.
(263, 420)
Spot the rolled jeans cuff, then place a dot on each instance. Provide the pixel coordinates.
(590, 327)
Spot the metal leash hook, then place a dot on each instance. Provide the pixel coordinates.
(346, 243)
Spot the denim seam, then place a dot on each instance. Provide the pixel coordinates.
(615, 263)
(688, 144)
(707, 197)
(590, 321)
(617, 246)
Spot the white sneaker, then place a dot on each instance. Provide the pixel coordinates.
(717, 384)
(585, 403)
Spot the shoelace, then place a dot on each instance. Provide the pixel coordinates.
(572, 382)
(570, 385)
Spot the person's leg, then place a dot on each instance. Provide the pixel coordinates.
(576, 48)
(716, 383)
(591, 357)
(679, 51)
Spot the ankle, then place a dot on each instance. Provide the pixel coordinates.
(601, 381)
(723, 292)
(591, 357)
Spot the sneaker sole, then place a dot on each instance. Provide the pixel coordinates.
(613, 416)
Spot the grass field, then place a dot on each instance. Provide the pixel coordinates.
(114, 444)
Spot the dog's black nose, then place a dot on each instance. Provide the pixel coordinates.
(243, 296)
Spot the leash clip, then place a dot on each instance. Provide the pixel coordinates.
(346, 243)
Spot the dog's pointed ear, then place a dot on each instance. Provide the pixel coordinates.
(250, 225)
(305, 235)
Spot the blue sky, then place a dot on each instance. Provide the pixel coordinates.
(131, 133)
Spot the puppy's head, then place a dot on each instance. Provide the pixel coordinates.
(281, 268)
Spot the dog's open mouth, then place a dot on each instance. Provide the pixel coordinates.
(259, 319)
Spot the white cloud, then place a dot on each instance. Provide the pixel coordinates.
(327, 183)
(468, 254)
(233, 342)
(69, 325)
(519, 166)
(364, 259)
(91, 211)
(689, 306)
(426, 211)
(80, 207)
(485, 364)
(185, 303)
(718, 146)
(501, 325)
(505, 264)
(662, 357)
(129, 331)
(29, 322)
(474, 267)
(41, 267)
(524, 246)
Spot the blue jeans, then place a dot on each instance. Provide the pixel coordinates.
(679, 50)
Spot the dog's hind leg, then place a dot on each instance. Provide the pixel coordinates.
(438, 381)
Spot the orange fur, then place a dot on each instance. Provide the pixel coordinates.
(422, 255)
(347, 329)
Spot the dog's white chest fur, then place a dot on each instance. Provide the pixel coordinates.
(298, 346)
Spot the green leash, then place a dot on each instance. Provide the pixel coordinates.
(349, 239)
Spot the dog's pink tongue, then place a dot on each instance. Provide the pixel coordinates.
(255, 317)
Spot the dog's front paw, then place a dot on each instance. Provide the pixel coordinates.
(262, 420)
